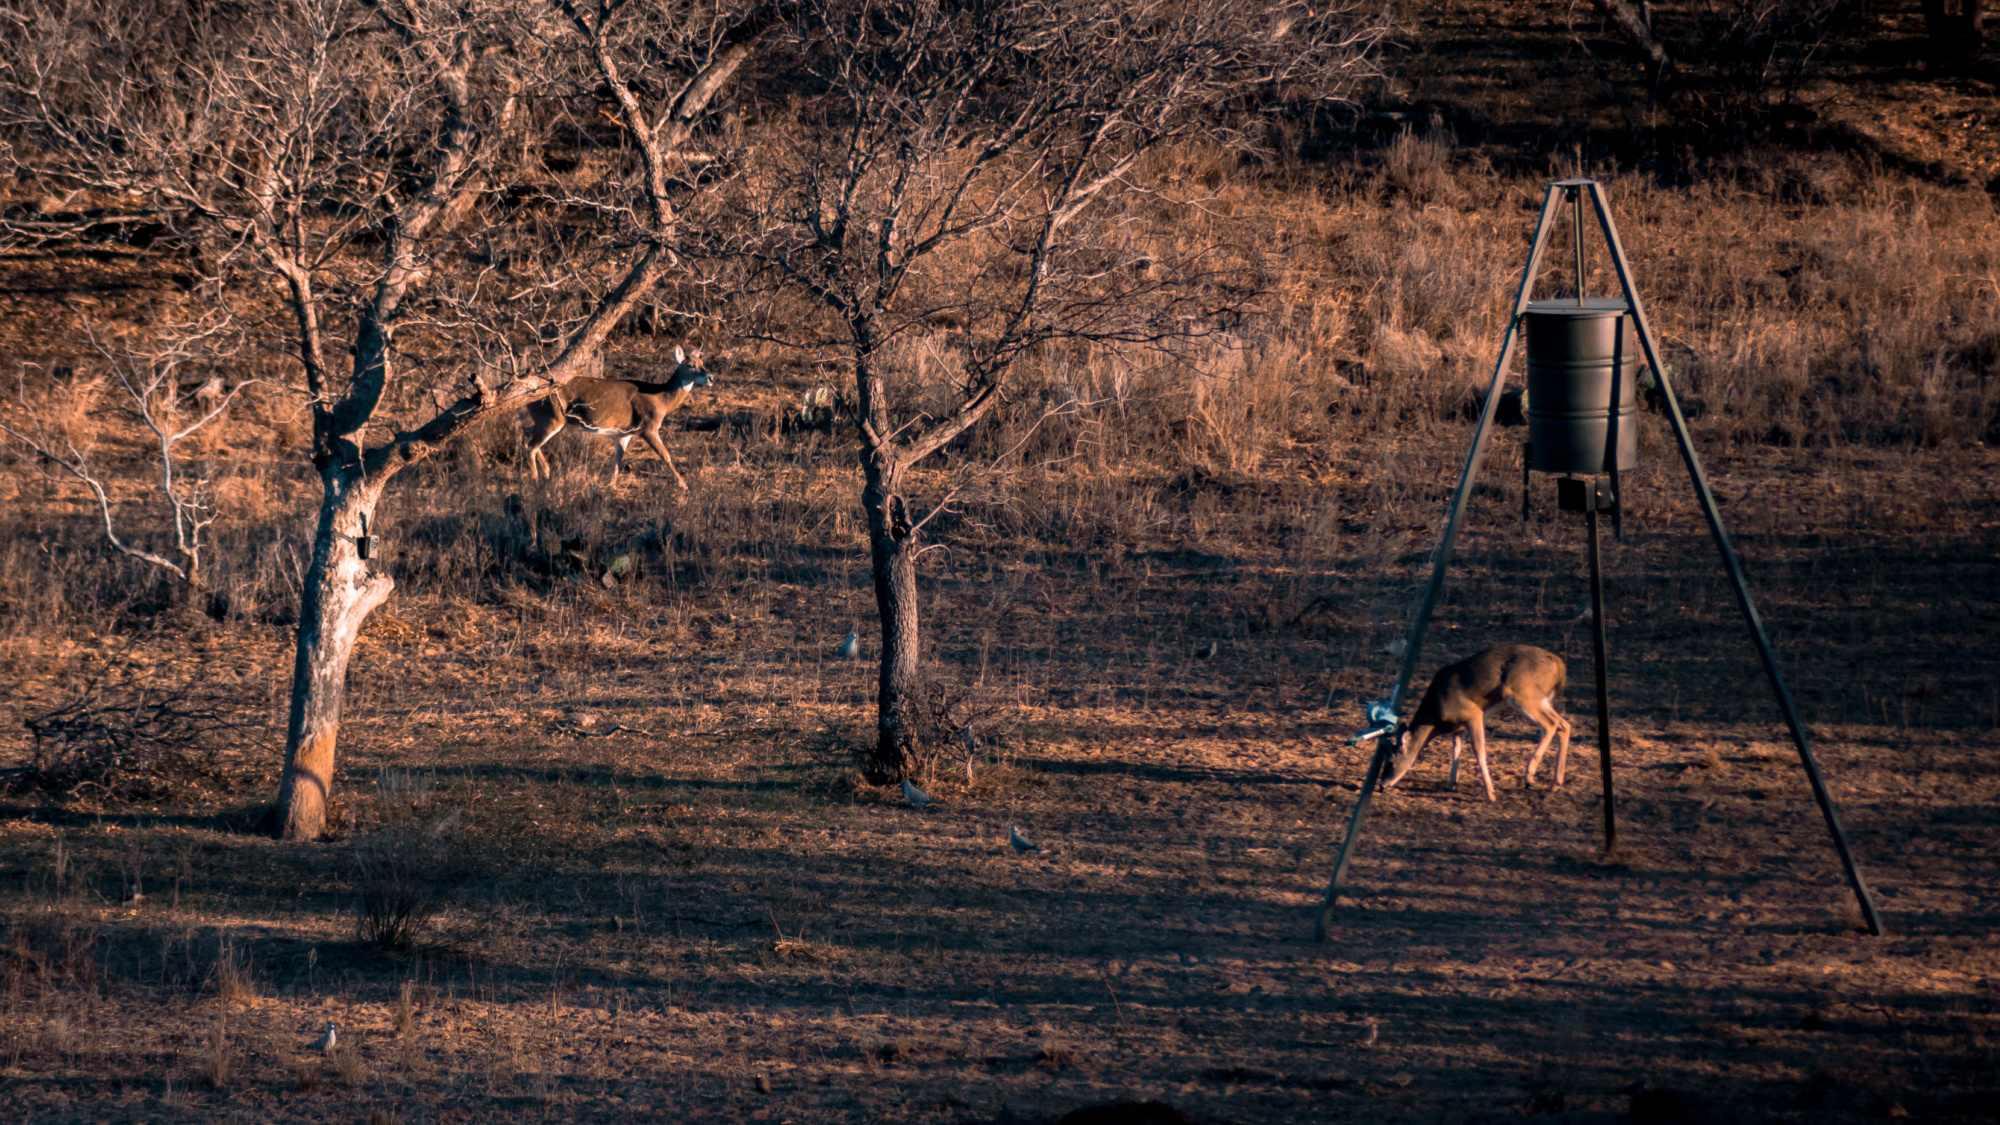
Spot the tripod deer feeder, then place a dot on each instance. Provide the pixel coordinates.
(1584, 360)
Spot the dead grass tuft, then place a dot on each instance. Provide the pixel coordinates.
(1056, 1057)
(235, 984)
(406, 1009)
(349, 1066)
(217, 1061)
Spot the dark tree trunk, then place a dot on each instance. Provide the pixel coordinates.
(1956, 28)
(893, 546)
(339, 595)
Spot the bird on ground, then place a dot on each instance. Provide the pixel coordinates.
(914, 795)
(1396, 647)
(851, 647)
(1019, 842)
(1207, 651)
(325, 1043)
(1368, 1037)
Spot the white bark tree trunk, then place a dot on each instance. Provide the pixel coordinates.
(339, 595)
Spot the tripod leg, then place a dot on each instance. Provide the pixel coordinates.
(1603, 696)
(1455, 515)
(1734, 568)
(1368, 786)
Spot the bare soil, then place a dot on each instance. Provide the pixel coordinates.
(644, 921)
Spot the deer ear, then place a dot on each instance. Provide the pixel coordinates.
(680, 356)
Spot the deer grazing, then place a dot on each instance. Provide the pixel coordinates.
(1460, 695)
(618, 408)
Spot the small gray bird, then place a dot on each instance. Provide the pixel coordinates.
(1207, 651)
(1019, 842)
(849, 648)
(1396, 647)
(325, 1043)
(914, 795)
(1368, 1037)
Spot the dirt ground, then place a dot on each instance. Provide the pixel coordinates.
(671, 897)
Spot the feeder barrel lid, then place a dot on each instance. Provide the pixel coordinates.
(1588, 308)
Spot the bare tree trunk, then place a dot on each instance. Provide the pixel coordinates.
(1638, 31)
(339, 595)
(1956, 29)
(893, 546)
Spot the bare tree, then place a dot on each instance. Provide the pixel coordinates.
(949, 169)
(54, 417)
(380, 165)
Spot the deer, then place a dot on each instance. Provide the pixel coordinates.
(1461, 694)
(617, 408)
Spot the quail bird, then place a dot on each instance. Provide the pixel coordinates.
(851, 647)
(914, 795)
(1207, 651)
(325, 1043)
(1019, 842)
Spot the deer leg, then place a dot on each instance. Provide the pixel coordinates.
(1541, 720)
(1562, 732)
(1457, 748)
(618, 458)
(1478, 725)
(539, 435)
(652, 436)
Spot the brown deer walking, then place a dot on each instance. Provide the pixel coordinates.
(1460, 695)
(617, 408)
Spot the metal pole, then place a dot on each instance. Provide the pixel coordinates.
(1734, 568)
(1575, 195)
(1455, 515)
(1376, 764)
(1603, 696)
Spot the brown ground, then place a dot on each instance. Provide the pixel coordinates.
(644, 923)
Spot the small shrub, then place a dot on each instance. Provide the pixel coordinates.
(403, 876)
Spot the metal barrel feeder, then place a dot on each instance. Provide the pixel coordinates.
(1583, 377)
(1587, 357)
